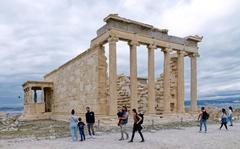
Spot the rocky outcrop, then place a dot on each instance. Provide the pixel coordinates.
(9, 122)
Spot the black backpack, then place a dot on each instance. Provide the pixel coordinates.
(142, 116)
(205, 115)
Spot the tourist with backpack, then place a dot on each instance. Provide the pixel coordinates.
(123, 120)
(203, 117)
(224, 119)
(138, 120)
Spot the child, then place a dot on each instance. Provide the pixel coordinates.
(81, 126)
(120, 115)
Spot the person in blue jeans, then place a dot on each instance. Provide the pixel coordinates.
(73, 125)
(81, 126)
(203, 117)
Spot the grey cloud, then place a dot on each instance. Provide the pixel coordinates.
(38, 36)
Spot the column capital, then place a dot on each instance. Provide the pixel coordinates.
(133, 43)
(167, 50)
(152, 46)
(181, 52)
(113, 39)
(192, 55)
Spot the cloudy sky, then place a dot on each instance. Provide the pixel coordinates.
(38, 36)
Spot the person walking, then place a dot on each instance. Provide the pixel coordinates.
(230, 115)
(137, 125)
(90, 119)
(202, 118)
(81, 126)
(123, 120)
(224, 118)
(73, 125)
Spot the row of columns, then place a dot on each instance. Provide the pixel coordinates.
(151, 79)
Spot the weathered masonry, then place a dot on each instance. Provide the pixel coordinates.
(85, 81)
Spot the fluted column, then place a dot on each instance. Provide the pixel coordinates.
(193, 59)
(133, 74)
(180, 82)
(112, 76)
(102, 79)
(166, 80)
(151, 80)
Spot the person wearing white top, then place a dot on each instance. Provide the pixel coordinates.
(224, 118)
(73, 125)
(230, 115)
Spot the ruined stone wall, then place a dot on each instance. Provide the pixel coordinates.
(124, 92)
(173, 84)
(75, 84)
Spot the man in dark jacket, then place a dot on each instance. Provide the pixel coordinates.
(90, 119)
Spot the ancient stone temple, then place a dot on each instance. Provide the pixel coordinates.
(88, 80)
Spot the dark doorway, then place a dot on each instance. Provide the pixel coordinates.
(48, 99)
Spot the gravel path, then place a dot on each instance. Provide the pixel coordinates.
(185, 138)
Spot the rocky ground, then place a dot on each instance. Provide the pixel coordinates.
(15, 133)
(11, 127)
(181, 138)
(39, 129)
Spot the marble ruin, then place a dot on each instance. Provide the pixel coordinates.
(86, 81)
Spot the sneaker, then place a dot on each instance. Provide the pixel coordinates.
(142, 141)
(130, 141)
(120, 139)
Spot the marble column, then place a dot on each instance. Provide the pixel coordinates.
(166, 80)
(193, 84)
(180, 82)
(133, 74)
(151, 80)
(102, 80)
(112, 76)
